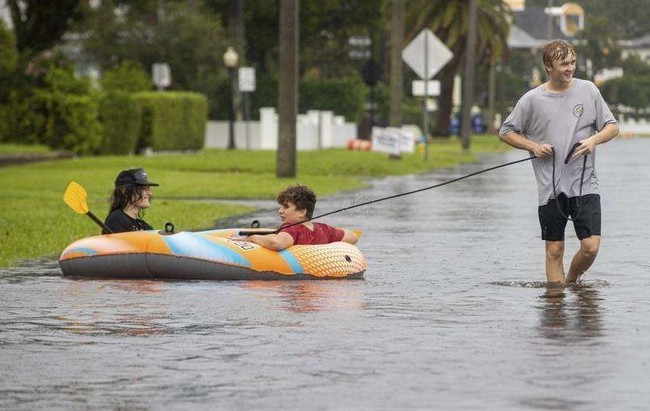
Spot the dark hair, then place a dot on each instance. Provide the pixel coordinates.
(124, 195)
(556, 50)
(301, 196)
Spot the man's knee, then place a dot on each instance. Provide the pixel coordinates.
(589, 246)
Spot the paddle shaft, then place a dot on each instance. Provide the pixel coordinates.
(99, 222)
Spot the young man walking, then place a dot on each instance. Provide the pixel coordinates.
(548, 121)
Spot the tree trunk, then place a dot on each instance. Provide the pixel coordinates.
(445, 103)
(468, 77)
(396, 66)
(287, 89)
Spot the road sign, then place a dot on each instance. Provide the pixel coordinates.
(433, 88)
(247, 79)
(360, 41)
(392, 140)
(426, 54)
(162, 75)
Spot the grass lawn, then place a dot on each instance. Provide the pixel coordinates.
(35, 222)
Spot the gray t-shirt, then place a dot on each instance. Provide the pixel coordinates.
(561, 120)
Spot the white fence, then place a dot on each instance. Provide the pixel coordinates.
(631, 127)
(314, 130)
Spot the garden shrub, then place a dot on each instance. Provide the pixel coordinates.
(120, 117)
(172, 120)
(127, 77)
(345, 97)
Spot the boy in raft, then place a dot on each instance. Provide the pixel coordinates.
(296, 206)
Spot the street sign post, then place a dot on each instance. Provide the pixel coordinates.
(433, 88)
(426, 55)
(162, 75)
(247, 85)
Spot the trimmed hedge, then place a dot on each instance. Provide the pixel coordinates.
(345, 97)
(58, 120)
(72, 124)
(120, 116)
(172, 120)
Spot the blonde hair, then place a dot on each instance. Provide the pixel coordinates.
(556, 50)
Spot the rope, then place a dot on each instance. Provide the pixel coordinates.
(412, 192)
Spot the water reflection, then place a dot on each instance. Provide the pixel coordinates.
(116, 307)
(309, 296)
(571, 313)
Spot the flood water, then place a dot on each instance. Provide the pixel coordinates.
(453, 314)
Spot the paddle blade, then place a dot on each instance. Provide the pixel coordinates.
(75, 197)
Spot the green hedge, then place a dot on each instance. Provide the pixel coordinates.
(345, 97)
(120, 116)
(628, 91)
(172, 120)
(58, 120)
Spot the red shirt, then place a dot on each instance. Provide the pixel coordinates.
(322, 234)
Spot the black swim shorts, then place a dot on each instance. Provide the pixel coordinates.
(584, 211)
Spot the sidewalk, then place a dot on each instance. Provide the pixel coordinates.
(23, 158)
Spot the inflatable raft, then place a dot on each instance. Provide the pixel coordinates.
(205, 255)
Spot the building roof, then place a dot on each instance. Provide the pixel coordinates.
(530, 29)
(637, 43)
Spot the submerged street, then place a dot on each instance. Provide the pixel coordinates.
(453, 313)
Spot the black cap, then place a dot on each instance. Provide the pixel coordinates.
(133, 176)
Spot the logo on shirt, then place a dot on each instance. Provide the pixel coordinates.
(577, 110)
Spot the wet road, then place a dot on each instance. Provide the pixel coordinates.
(453, 314)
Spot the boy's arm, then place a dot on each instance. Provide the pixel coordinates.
(275, 242)
(350, 236)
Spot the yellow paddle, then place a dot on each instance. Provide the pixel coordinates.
(75, 197)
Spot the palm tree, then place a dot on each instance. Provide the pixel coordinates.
(449, 20)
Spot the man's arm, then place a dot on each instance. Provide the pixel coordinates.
(588, 145)
(275, 242)
(517, 140)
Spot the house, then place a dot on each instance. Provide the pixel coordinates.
(639, 46)
(532, 27)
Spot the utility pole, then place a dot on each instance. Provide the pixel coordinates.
(237, 33)
(549, 21)
(287, 89)
(396, 68)
(468, 77)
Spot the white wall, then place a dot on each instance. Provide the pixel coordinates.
(314, 130)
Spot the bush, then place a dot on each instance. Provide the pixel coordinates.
(345, 97)
(8, 53)
(25, 117)
(120, 117)
(172, 120)
(71, 123)
(627, 91)
(60, 121)
(126, 77)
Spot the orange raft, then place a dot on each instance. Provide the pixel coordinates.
(205, 255)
